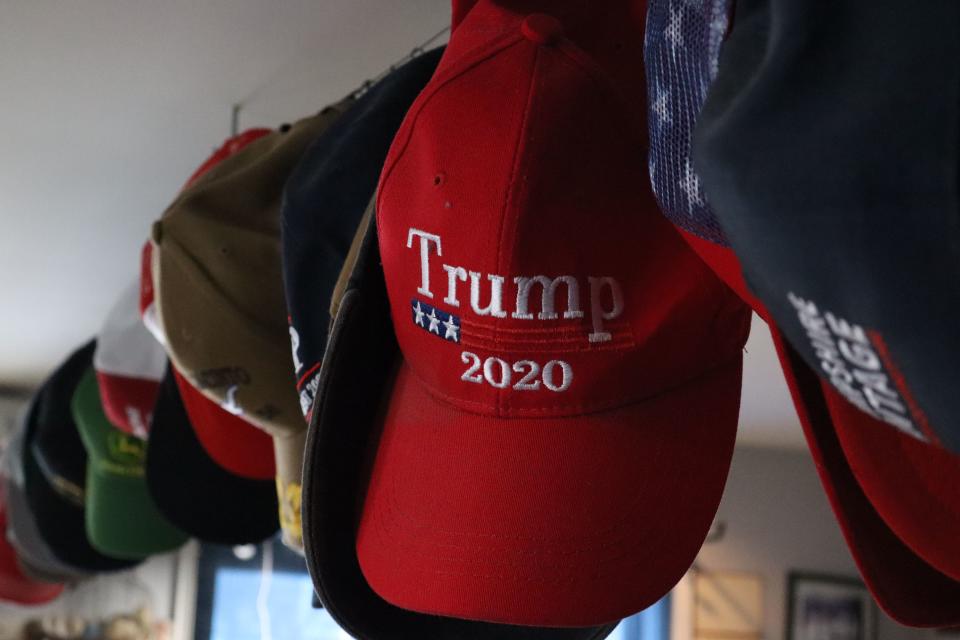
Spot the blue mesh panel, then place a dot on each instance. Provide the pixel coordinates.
(680, 55)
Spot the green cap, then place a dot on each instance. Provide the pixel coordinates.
(121, 519)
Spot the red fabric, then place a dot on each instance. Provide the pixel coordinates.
(14, 585)
(232, 442)
(460, 8)
(913, 485)
(543, 507)
(908, 589)
(128, 402)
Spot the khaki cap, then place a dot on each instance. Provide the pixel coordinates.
(219, 293)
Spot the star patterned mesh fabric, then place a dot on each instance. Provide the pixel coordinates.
(681, 51)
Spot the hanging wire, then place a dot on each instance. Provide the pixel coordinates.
(418, 50)
(414, 53)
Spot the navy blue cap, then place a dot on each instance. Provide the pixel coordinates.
(828, 148)
(323, 202)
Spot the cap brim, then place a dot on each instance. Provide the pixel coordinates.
(194, 493)
(544, 521)
(908, 589)
(122, 520)
(914, 486)
(357, 368)
(232, 442)
(60, 524)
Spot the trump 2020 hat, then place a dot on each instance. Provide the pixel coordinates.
(322, 204)
(680, 66)
(129, 363)
(566, 404)
(356, 373)
(219, 289)
(55, 467)
(845, 222)
(121, 518)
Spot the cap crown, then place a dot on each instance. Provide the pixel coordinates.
(528, 268)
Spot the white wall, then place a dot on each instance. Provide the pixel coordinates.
(777, 519)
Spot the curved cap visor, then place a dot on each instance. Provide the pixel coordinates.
(121, 519)
(873, 195)
(908, 589)
(471, 509)
(914, 486)
(358, 366)
(192, 491)
(232, 442)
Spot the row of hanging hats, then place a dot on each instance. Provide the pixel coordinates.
(472, 339)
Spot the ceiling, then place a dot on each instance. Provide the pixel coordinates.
(108, 106)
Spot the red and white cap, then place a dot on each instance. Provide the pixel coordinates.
(559, 431)
(129, 363)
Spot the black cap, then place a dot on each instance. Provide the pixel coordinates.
(54, 469)
(828, 148)
(357, 373)
(323, 201)
(194, 493)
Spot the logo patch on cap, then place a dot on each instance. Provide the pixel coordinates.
(433, 320)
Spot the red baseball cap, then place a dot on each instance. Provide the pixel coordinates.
(566, 407)
(129, 364)
(888, 491)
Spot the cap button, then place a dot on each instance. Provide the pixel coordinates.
(541, 28)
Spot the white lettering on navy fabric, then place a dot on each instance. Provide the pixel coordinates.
(853, 365)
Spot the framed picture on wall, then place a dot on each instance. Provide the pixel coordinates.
(825, 607)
